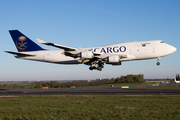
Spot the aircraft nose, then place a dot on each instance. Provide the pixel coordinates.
(173, 49)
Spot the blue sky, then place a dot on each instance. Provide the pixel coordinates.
(88, 23)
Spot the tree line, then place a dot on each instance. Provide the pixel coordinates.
(80, 83)
(77, 83)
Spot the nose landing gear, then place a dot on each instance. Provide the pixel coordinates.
(158, 63)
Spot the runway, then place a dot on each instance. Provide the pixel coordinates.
(89, 91)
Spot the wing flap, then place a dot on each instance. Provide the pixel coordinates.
(56, 45)
(123, 56)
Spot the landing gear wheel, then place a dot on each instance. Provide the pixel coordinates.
(99, 68)
(158, 63)
(101, 65)
(90, 68)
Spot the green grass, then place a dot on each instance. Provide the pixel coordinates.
(90, 107)
(23, 84)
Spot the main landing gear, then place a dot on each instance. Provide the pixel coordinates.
(98, 67)
(158, 63)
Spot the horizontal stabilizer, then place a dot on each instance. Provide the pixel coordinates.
(19, 53)
(56, 45)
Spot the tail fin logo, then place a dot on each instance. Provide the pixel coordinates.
(21, 43)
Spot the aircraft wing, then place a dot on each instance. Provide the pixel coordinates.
(19, 53)
(56, 45)
(76, 53)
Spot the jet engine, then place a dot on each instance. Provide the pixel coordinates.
(87, 54)
(114, 60)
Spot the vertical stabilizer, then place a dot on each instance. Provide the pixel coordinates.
(23, 43)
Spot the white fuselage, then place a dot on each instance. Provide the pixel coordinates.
(134, 51)
(176, 81)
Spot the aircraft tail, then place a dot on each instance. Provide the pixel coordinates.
(23, 43)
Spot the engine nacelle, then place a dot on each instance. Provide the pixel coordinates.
(87, 54)
(114, 59)
(119, 63)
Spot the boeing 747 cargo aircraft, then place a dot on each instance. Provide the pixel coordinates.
(94, 57)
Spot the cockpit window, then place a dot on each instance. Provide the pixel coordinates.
(162, 41)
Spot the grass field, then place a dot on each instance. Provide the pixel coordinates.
(90, 107)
